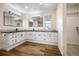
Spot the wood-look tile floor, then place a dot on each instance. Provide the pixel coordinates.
(73, 50)
(32, 49)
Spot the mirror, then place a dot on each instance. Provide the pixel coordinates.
(48, 23)
(36, 22)
(12, 19)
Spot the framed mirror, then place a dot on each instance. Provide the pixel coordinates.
(36, 22)
(12, 19)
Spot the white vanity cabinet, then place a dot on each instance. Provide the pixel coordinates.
(8, 39)
(11, 40)
(42, 37)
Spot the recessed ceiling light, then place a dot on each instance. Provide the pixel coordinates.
(41, 3)
(26, 6)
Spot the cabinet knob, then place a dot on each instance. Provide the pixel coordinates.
(12, 40)
(4, 34)
(21, 34)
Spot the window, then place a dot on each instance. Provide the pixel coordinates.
(48, 22)
(48, 25)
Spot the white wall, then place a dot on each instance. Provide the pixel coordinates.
(60, 27)
(46, 13)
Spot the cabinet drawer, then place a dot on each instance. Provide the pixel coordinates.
(8, 36)
(19, 37)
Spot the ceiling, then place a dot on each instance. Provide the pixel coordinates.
(35, 8)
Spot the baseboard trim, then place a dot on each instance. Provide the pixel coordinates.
(73, 43)
(43, 42)
(0, 48)
(19, 43)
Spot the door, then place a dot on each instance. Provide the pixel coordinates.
(72, 23)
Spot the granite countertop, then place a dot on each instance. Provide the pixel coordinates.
(13, 31)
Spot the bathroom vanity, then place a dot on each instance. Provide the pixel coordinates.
(11, 39)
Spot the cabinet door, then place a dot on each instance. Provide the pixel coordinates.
(6, 36)
(5, 41)
(33, 36)
(8, 39)
(43, 36)
(22, 36)
(17, 37)
(38, 36)
(53, 37)
(29, 35)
